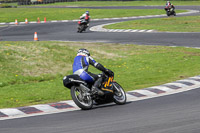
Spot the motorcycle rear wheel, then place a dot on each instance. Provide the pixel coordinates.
(83, 102)
(119, 94)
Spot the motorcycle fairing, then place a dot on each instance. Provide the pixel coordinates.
(107, 84)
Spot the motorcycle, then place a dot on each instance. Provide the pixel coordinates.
(82, 25)
(84, 97)
(170, 11)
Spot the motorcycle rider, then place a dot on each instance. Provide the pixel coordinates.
(86, 17)
(170, 6)
(168, 3)
(173, 7)
(80, 67)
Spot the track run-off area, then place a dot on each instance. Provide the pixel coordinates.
(178, 112)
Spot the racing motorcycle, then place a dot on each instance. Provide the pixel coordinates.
(84, 97)
(82, 25)
(169, 11)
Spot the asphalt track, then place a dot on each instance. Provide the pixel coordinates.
(177, 113)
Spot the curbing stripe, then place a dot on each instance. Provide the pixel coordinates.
(130, 96)
(3, 115)
(177, 84)
(12, 112)
(71, 103)
(127, 30)
(119, 30)
(141, 30)
(149, 31)
(136, 94)
(134, 31)
(61, 105)
(45, 108)
(191, 81)
(163, 88)
(154, 90)
(145, 92)
(29, 110)
(194, 79)
(172, 86)
(186, 83)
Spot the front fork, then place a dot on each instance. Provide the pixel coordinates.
(116, 89)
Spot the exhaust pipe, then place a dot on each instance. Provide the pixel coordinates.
(84, 88)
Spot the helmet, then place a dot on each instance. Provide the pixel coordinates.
(83, 51)
(87, 12)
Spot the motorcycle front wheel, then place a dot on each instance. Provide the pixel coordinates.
(82, 100)
(119, 94)
(82, 27)
(168, 13)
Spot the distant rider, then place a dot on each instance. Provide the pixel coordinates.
(170, 6)
(168, 3)
(86, 17)
(80, 67)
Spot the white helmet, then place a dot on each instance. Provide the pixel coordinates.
(83, 51)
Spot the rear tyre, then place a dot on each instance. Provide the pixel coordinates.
(82, 100)
(119, 94)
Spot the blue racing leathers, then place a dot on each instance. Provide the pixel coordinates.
(80, 67)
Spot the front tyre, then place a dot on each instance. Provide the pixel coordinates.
(80, 98)
(168, 13)
(119, 94)
(82, 28)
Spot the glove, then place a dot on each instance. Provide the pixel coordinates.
(109, 72)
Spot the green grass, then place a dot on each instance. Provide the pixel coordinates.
(8, 5)
(120, 3)
(9, 15)
(32, 72)
(172, 24)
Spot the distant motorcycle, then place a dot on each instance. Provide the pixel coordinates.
(82, 25)
(170, 11)
(85, 98)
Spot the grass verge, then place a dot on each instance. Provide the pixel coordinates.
(171, 24)
(69, 14)
(32, 72)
